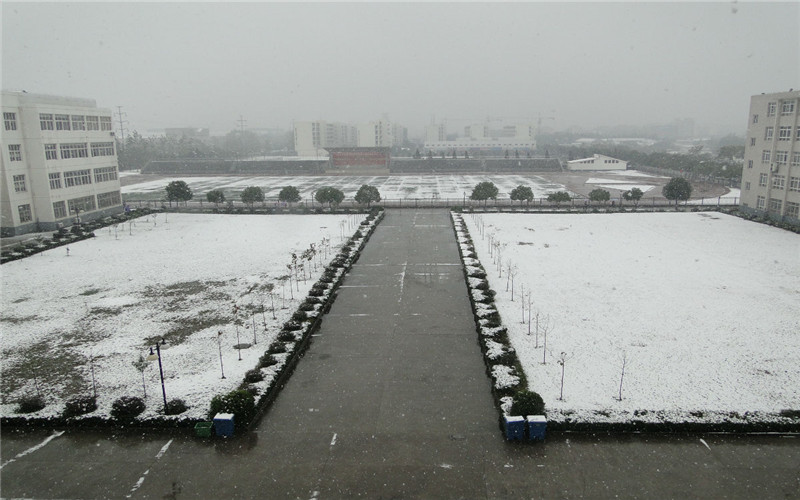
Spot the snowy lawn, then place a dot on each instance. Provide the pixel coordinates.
(703, 308)
(112, 297)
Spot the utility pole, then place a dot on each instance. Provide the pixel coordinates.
(121, 123)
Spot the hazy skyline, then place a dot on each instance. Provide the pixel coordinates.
(586, 64)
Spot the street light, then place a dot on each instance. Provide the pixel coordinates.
(157, 356)
(219, 343)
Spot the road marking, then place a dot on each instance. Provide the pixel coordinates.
(141, 479)
(705, 444)
(333, 441)
(34, 448)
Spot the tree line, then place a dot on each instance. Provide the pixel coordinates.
(179, 191)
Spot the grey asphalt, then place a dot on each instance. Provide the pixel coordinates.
(392, 401)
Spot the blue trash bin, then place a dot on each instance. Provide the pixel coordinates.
(514, 427)
(223, 424)
(537, 425)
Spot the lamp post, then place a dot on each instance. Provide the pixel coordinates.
(157, 355)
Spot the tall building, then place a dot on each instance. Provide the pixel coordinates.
(312, 137)
(771, 173)
(59, 162)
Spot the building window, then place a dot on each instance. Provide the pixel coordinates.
(78, 122)
(108, 199)
(762, 180)
(55, 180)
(105, 174)
(84, 204)
(92, 123)
(752, 141)
(19, 183)
(14, 152)
(778, 181)
(59, 209)
(767, 134)
(102, 149)
(46, 121)
(25, 213)
(62, 122)
(105, 123)
(747, 186)
(775, 205)
(787, 107)
(792, 209)
(771, 107)
(781, 157)
(77, 178)
(765, 156)
(749, 163)
(10, 119)
(785, 134)
(760, 202)
(796, 159)
(755, 118)
(794, 183)
(50, 152)
(74, 150)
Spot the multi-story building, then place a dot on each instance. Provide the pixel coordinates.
(481, 137)
(771, 173)
(59, 162)
(311, 138)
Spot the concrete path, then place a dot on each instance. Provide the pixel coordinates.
(391, 401)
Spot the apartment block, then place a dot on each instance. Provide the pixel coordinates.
(771, 173)
(59, 163)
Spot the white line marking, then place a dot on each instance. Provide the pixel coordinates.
(333, 441)
(402, 279)
(705, 444)
(140, 482)
(34, 448)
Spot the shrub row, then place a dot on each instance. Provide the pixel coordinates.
(509, 385)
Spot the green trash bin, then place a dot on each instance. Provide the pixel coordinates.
(203, 429)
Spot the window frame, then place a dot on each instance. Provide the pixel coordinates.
(55, 180)
(15, 152)
(46, 121)
(28, 217)
(19, 183)
(10, 120)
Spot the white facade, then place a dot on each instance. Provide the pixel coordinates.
(59, 162)
(771, 173)
(377, 134)
(480, 136)
(597, 162)
(312, 137)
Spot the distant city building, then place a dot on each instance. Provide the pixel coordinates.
(520, 137)
(597, 162)
(771, 173)
(312, 138)
(187, 133)
(59, 162)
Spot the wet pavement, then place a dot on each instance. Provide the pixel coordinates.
(392, 401)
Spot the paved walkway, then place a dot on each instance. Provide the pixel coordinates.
(391, 401)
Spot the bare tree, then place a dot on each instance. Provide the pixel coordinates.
(562, 360)
(141, 364)
(547, 327)
(622, 375)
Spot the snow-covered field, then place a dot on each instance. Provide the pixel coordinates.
(106, 300)
(703, 308)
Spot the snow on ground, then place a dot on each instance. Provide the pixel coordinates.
(619, 184)
(702, 306)
(113, 295)
(406, 187)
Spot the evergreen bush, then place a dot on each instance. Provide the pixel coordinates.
(175, 407)
(253, 376)
(527, 403)
(127, 407)
(240, 403)
(30, 404)
(79, 405)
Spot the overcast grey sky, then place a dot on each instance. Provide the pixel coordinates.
(588, 64)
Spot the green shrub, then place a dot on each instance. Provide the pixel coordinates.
(527, 403)
(79, 405)
(315, 292)
(253, 376)
(306, 306)
(313, 300)
(357, 234)
(240, 403)
(175, 407)
(299, 316)
(30, 404)
(292, 326)
(286, 336)
(127, 407)
(266, 360)
(276, 348)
